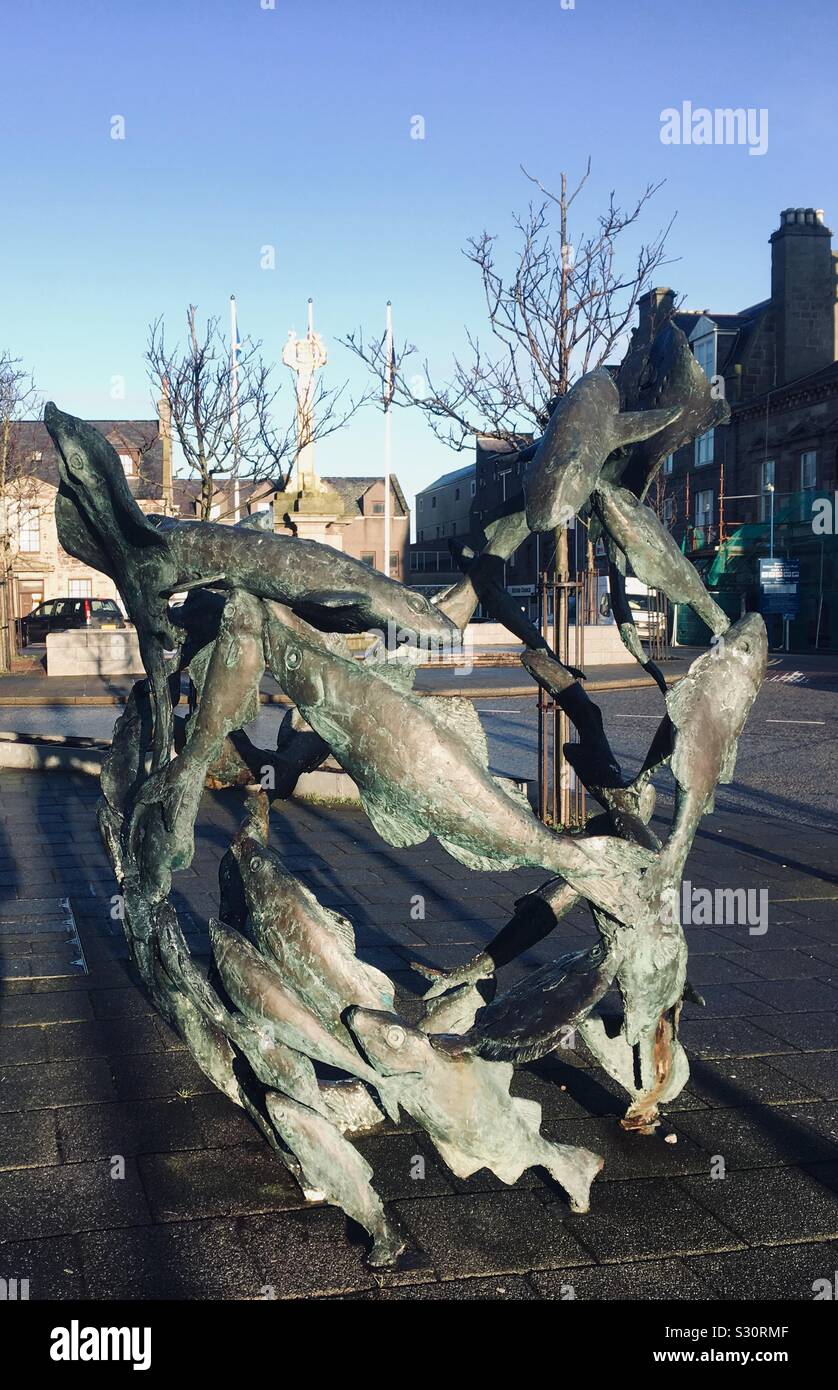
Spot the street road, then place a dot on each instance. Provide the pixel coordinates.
(788, 755)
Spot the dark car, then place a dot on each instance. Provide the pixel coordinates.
(60, 614)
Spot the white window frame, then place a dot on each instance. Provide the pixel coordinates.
(80, 588)
(27, 522)
(704, 517)
(127, 461)
(809, 455)
(705, 449)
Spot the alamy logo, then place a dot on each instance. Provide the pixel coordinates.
(723, 125)
(717, 907)
(78, 1343)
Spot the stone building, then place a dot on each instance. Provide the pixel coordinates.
(41, 569)
(455, 506)
(778, 362)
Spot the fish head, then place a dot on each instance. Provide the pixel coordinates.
(296, 655)
(372, 602)
(92, 480)
(561, 476)
(389, 1044)
(746, 649)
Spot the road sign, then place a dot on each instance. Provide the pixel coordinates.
(779, 583)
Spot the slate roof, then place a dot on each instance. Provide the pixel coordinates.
(30, 437)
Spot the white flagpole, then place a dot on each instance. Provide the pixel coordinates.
(388, 432)
(234, 402)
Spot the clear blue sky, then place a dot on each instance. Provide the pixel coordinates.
(291, 126)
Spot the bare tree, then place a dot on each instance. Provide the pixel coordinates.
(566, 307)
(20, 488)
(224, 429)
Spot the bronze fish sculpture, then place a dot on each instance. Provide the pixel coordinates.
(463, 1104)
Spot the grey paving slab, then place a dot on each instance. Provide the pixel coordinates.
(641, 1281)
(771, 1206)
(300, 1253)
(652, 1218)
(217, 1182)
(778, 1272)
(28, 1140)
(744, 1080)
(134, 1127)
(196, 1260)
(73, 1197)
(503, 1289)
(760, 1136)
(30, 1087)
(806, 1032)
(817, 1070)
(499, 1233)
(52, 1266)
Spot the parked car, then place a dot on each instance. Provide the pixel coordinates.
(60, 614)
(649, 619)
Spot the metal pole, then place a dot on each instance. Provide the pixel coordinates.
(234, 401)
(388, 432)
(771, 551)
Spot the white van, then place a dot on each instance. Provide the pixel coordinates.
(648, 618)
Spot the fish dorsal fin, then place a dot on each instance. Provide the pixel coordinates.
(513, 791)
(459, 717)
(479, 862)
(633, 425)
(396, 827)
(336, 923)
(342, 928)
(399, 673)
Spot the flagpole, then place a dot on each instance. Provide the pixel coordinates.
(234, 401)
(388, 432)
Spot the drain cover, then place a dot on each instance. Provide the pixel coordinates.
(39, 940)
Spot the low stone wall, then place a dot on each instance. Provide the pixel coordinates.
(91, 652)
(602, 642)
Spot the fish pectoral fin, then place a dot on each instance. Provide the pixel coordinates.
(395, 828)
(472, 860)
(633, 425)
(462, 1165)
(334, 598)
(459, 717)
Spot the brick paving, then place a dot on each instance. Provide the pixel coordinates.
(90, 1075)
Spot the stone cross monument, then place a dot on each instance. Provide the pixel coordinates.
(305, 356)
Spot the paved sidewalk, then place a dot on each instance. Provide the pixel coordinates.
(38, 688)
(89, 1075)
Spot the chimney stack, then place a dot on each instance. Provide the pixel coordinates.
(803, 292)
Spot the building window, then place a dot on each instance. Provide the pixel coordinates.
(28, 521)
(668, 462)
(36, 456)
(433, 500)
(378, 508)
(215, 511)
(473, 486)
(704, 448)
(394, 562)
(705, 354)
(766, 480)
(704, 508)
(808, 470)
(368, 558)
(456, 494)
(80, 588)
(668, 511)
(127, 462)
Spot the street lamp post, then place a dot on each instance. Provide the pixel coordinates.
(769, 488)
